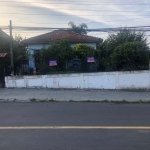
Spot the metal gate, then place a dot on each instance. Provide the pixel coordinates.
(2, 82)
(2, 70)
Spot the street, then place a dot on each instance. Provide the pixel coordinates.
(74, 126)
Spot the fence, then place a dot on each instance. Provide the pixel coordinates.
(2, 72)
(105, 80)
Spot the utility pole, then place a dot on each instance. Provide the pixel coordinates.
(11, 51)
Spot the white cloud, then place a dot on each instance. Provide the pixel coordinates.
(96, 13)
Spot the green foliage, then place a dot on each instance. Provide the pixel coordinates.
(130, 56)
(82, 51)
(121, 50)
(60, 51)
(123, 36)
(105, 59)
(81, 28)
(33, 99)
(19, 51)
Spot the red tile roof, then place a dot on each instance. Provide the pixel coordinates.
(2, 55)
(62, 34)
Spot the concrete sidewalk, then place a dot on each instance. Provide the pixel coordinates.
(75, 95)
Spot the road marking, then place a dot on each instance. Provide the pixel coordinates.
(75, 127)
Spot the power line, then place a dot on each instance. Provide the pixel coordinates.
(6, 27)
(79, 3)
(62, 14)
(137, 28)
(39, 23)
(65, 28)
(32, 31)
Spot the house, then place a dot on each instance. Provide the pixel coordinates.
(38, 42)
(4, 40)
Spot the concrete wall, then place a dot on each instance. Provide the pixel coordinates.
(105, 80)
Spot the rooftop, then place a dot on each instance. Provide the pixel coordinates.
(62, 34)
(3, 34)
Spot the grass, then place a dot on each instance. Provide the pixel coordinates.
(123, 101)
(15, 100)
(92, 101)
(46, 100)
(42, 100)
(133, 102)
(33, 99)
(116, 102)
(105, 101)
(51, 100)
(71, 101)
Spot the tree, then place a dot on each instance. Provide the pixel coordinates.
(82, 51)
(104, 57)
(58, 50)
(130, 56)
(81, 28)
(125, 43)
(124, 35)
(19, 51)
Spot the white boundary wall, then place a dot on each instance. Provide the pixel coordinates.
(100, 80)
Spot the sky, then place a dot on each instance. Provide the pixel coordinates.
(58, 13)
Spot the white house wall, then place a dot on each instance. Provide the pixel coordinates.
(31, 49)
(38, 46)
(106, 80)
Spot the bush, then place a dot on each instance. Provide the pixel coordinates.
(130, 56)
(60, 51)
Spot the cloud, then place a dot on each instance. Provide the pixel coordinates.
(96, 13)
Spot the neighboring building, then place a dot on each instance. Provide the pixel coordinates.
(44, 40)
(4, 35)
(4, 39)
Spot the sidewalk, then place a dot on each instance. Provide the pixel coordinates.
(72, 95)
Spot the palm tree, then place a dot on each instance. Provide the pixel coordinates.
(81, 28)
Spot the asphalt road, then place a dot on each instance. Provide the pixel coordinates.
(74, 126)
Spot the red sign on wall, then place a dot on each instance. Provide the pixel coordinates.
(53, 63)
(90, 59)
